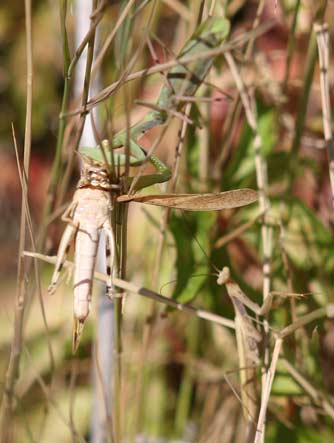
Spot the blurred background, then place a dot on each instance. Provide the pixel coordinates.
(186, 387)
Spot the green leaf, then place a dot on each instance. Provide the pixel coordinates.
(308, 242)
(192, 266)
(184, 252)
(243, 165)
(283, 384)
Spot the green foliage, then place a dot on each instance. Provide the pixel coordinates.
(186, 359)
(241, 170)
(308, 242)
(191, 238)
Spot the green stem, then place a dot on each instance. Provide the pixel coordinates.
(311, 58)
(186, 388)
(291, 44)
(62, 123)
(120, 230)
(305, 93)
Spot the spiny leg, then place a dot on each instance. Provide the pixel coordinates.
(137, 157)
(63, 249)
(64, 245)
(69, 212)
(110, 254)
(224, 277)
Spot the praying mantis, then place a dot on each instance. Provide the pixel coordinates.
(248, 338)
(98, 193)
(181, 81)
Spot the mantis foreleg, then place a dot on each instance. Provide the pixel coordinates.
(182, 80)
(248, 338)
(138, 157)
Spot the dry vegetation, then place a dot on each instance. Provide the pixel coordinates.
(245, 358)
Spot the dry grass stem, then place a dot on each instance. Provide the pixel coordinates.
(264, 203)
(12, 373)
(111, 36)
(259, 436)
(109, 90)
(322, 33)
(148, 293)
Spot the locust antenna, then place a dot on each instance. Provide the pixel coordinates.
(199, 244)
(175, 281)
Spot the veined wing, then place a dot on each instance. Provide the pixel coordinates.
(197, 202)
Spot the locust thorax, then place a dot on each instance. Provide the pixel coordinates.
(94, 175)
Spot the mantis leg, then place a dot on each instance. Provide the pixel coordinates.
(162, 175)
(137, 157)
(238, 294)
(63, 249)
(163, 172)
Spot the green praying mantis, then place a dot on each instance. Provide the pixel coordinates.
(181, 81)
(97, 194)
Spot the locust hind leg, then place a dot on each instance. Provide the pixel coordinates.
(64, 245)
(110, 255)
(63, 249)
(69, 212)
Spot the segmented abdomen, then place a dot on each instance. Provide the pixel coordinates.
(91, 214)
(86, 244)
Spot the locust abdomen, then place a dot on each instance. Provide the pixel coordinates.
(84, 264)
(91, 214)
(86, 244)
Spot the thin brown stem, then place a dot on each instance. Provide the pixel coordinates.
(12, 373)
(322, 33)
(235, 43)
(147, 293)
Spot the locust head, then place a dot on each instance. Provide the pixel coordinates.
(93, 174)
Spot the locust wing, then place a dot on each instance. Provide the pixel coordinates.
(197, 202)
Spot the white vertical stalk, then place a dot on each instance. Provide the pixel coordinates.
(259, 436)
(261, 172)
(264, 203)
(103, 350)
